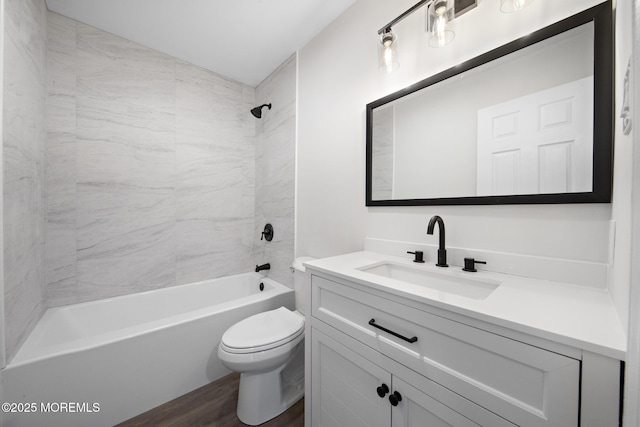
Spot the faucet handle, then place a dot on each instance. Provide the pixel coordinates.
(267, 233)
(470, 264)
(419, 256)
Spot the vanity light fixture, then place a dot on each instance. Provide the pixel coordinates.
(388, 43)
(388, 51)
(508, 6)
(440, 13)
(439, 24)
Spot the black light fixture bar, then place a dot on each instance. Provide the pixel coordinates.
(461, 7)
(400, 17)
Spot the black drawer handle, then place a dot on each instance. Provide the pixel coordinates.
(372, 322)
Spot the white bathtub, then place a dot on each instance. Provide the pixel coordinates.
(102, 362)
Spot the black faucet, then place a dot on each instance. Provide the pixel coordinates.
(442, 252)
(266, 266)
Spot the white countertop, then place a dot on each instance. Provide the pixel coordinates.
(577, 316)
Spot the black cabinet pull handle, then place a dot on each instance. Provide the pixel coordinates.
(383, 390)
(372, 322)
(395, 398)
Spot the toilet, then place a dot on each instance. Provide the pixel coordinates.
(267, 349)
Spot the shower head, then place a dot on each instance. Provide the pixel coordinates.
(257, 111)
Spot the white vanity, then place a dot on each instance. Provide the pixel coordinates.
(532, 341)
(392, 342)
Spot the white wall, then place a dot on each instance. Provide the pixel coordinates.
(619, 276)
(338, 75)
(632, 383)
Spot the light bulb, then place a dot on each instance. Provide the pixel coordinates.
(439, 17)
(440, 8)
(439, 31)
(388, 53)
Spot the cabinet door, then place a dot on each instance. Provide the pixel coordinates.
(419, 409)
(344, 387)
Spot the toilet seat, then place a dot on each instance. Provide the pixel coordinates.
(263, 331)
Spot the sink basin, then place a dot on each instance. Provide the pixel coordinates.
(451, 282)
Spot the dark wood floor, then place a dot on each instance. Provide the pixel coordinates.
(213, 405)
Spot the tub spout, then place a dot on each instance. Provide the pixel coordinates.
(266, 266)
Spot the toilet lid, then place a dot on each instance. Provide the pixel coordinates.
(263, 331)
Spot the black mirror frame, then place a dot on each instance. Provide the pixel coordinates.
(603, 129)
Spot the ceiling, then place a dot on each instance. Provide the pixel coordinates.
(241, 39)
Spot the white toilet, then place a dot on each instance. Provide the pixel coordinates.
(267, 349)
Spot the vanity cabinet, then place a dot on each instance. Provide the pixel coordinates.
(344, 386)
(448, 370)
(349, 389)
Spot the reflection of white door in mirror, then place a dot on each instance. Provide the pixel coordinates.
(537, 144)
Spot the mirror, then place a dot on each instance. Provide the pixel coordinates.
(529, 122)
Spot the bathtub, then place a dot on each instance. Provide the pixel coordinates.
(102, 362)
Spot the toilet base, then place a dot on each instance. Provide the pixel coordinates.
(263, 396)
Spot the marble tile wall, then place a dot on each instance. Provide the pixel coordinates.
(125, 166)
(60, 242)
(275, 170)
(24, 135)
(215, 153)
(151, 168)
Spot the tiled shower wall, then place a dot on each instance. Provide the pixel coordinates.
(23, 167)
(275, 170)
(127, 170)
(151, 168)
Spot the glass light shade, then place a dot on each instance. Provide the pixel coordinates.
(388, 52)
(508, 6)
(440, 15)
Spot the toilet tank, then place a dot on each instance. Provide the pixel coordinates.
(301, 283)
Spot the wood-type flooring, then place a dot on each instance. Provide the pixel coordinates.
(213, 405)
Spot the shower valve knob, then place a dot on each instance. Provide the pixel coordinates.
(267, 233)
